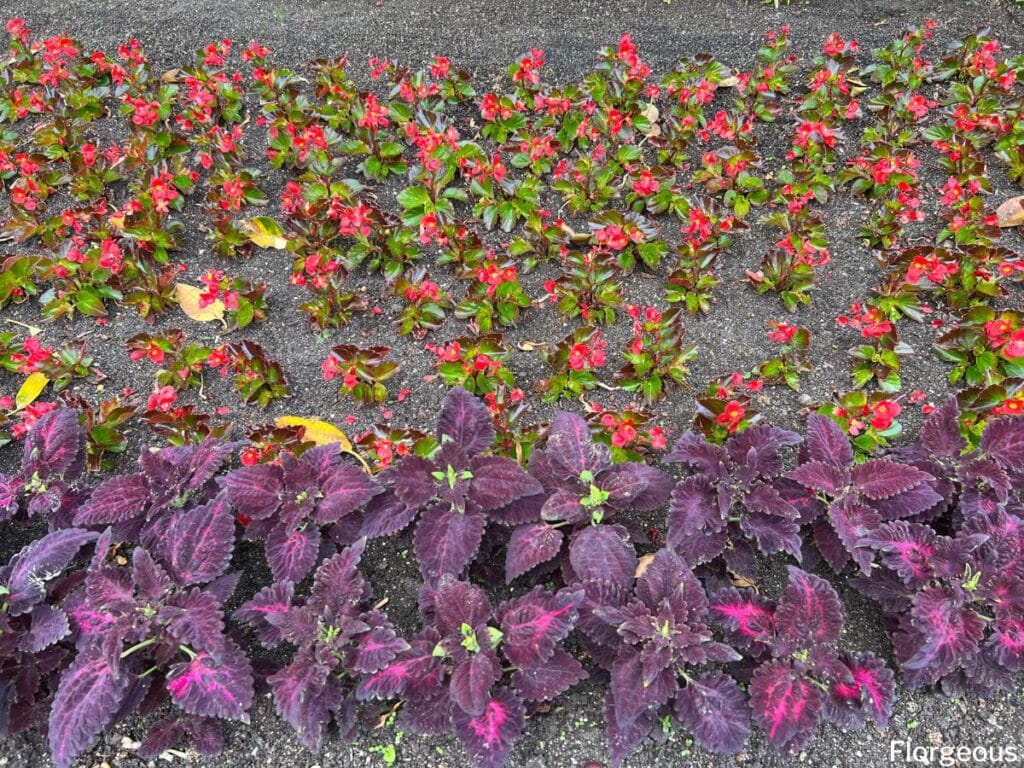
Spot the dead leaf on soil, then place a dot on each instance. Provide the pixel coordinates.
(1011, 213)
(729, 82)
(188, 297)
(264, 232)
(642, 565)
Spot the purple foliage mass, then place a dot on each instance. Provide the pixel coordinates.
(933, 531)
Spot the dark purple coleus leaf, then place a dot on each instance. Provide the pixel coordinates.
(214, 687)
(115, 500)
(869, 692)
(809, 614)
(195, 545)
(786, 706)
(305, 696)
(571, 447)
(906, 548)
(548, 679)
(940, 434)
(883, 478)
(55, 446)
(489, 736)
(748, 618)
(447, 540)
(623, 739)
(529, 546)
(715, 710)
(1003, 440)
(292, 555)
(267, 610)
(90, 694)
(827, 443)
(26, 575)
(603, 553)
(465, 421)
(473, 677)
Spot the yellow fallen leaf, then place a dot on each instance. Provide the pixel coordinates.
(31, 388)
(728, 82)
(1011, 213)
(264, 232)
(188, 299)
(319, 432)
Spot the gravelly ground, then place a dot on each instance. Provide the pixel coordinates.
(485, 36)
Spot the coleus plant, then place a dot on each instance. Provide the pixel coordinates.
(456, 490)
(287, 504)
(801, 675)
(339, 641)
(585, 490)
(735, 499)
(138, 505)
(52, 462)
(653, 635)
(857, 497)
(154, 631)
(34, 628)
(474, 670)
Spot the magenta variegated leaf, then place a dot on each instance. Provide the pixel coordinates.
(950, 632)
(809, 613)
(414, 671)
(907, 549)
(28, 572)
(715, 710)
(115, 500)
(529, 546)
(266, 612)
(447, 540)
(747, 617)
(465, 421)
(869, 693)
(827, 443)
(196, 544)
(1007, 642)
(603, 553)
(375, 649)
(291, 556)
(550, 678)
(786, 706)
(213, 687)
(489, 736)
(89, 696)
(534, 624)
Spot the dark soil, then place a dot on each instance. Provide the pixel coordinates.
(484, 36)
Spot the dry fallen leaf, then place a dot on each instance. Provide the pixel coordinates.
(642, 565)
(188, 299)
(30, 389)
(729, 82)
(1011, 213)
(264, 232)
(318, 432)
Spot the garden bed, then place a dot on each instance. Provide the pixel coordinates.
(679, 205)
